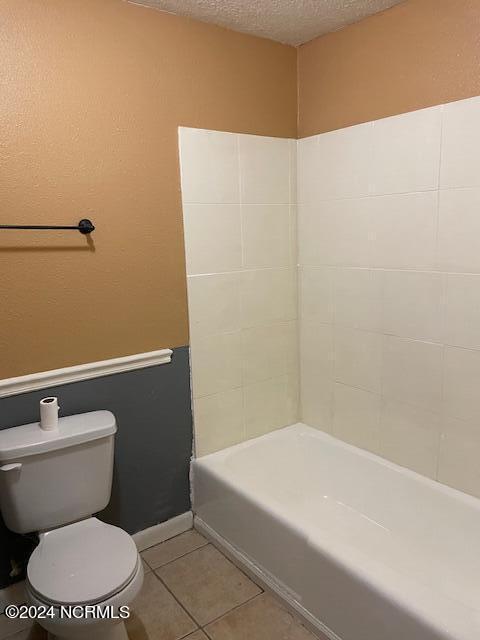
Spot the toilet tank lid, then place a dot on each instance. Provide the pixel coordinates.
(30, 439)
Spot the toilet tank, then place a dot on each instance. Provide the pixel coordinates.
(51, 478)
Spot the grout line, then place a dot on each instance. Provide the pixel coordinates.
(441, 417)
(327, 265)
(237, 606)
(244, 401)
(440, 146)
(156, 544)
(242, 294)
(392, 194)
(178, 557)
(382, 333)
(254, 383)
(247, 204)
(437, 228)
(190, 633)
(178, 602)
(284, 267)
(28, 628)
(441, 428)
(264, 325)
(297, 92)
(351, 386)
(366, 196)
(223, 614)
(444, 290)
(312, 320)
(395, 398)
(240, 200)
(381, 434)
(349, 267)
(240, 568)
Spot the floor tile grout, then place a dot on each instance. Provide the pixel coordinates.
(177, 558)
(226, 612)
(190, 633)
(240, 568)
(237, 606)
(206, 633)
(178, 601)
(11, 635)
(157, 544)
(211, 544)
(28, 626)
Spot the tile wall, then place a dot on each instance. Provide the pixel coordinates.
(388, 254)
(389, 288)
(239, 197)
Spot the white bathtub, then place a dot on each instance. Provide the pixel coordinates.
(366, 549)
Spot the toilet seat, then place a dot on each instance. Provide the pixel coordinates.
(82, 563)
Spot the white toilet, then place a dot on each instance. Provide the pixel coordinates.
(52, 482)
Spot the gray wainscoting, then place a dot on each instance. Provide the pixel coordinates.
(153, 444)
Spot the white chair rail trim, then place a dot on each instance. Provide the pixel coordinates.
(45, 379)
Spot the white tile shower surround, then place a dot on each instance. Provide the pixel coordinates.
(389, 286)
(239, 197)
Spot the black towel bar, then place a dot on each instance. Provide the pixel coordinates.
(84, 226)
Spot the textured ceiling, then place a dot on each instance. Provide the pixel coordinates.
(289, 21)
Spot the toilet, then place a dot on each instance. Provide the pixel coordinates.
(52, 482)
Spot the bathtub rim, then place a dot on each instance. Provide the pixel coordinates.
(436, 485)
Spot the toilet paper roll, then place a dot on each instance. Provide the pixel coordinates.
(49, 413)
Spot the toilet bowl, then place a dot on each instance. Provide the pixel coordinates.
(80, 573)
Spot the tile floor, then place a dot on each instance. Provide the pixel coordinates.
(192, 592)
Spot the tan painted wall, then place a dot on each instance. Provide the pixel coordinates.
(417, 54)
(91, 96)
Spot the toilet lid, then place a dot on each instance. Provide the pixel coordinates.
(84, 562)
